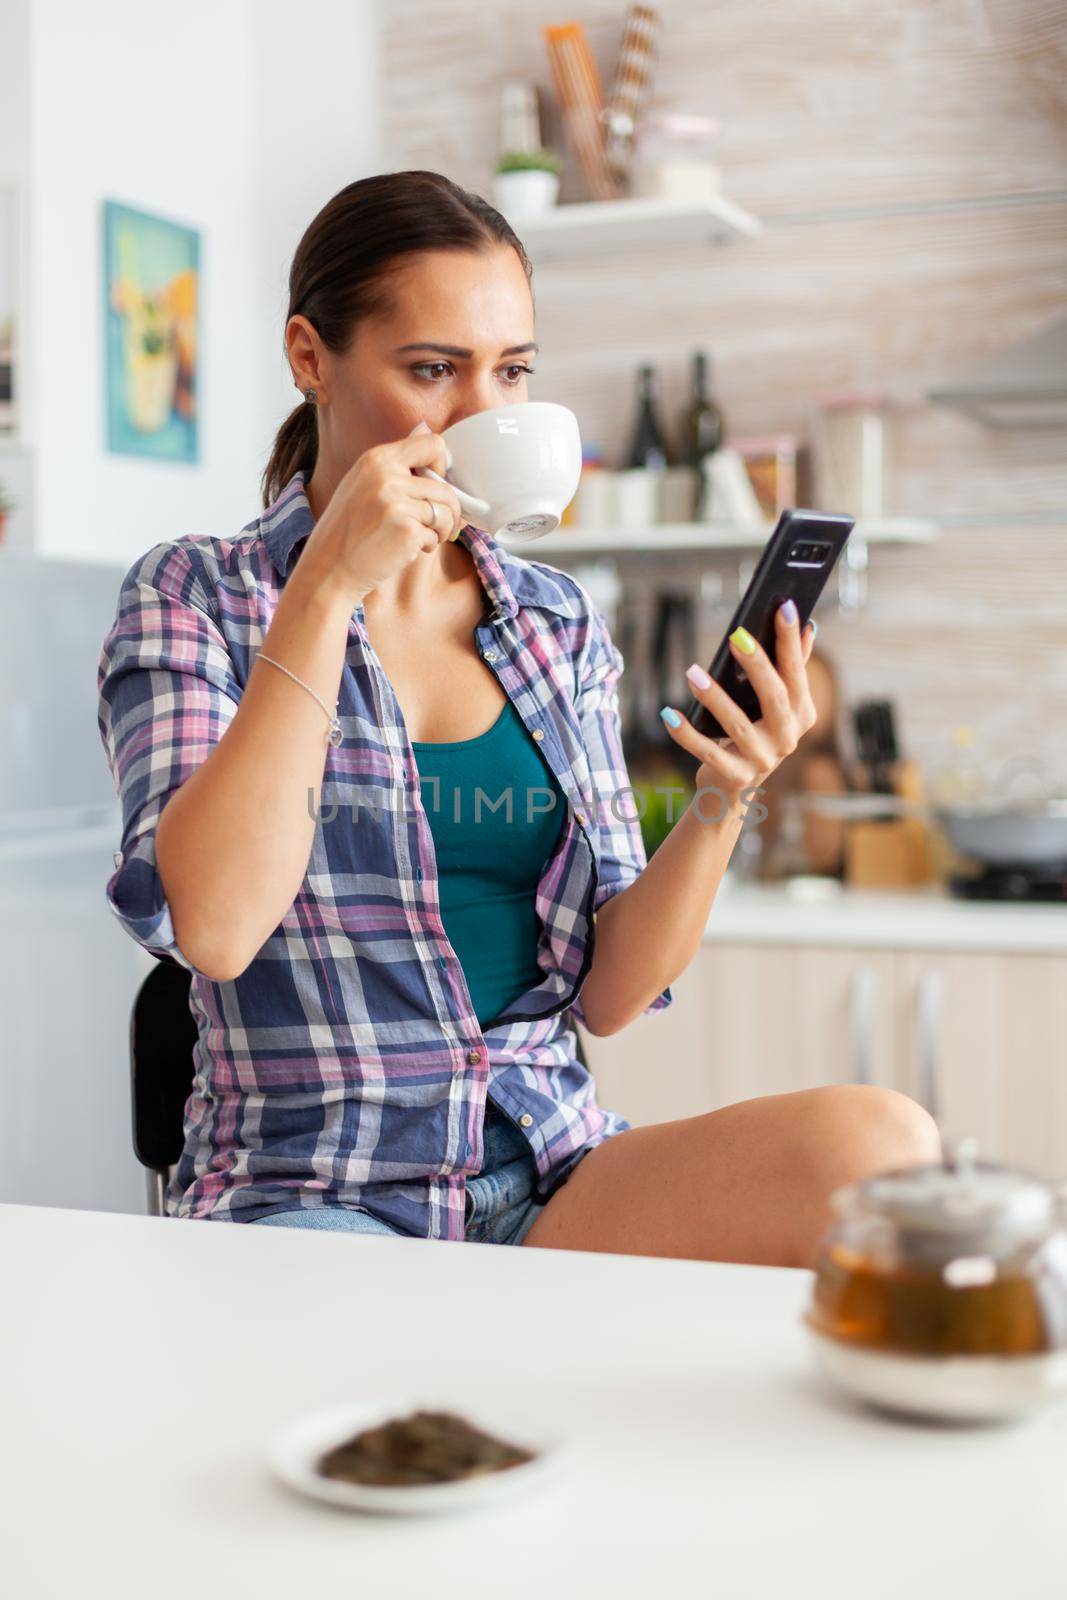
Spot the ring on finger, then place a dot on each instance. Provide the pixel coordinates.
(433, 516)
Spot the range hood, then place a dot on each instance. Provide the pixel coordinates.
(1024, 386)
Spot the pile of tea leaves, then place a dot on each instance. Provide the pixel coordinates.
(424, 1447)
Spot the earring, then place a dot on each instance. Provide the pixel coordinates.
(310, 396)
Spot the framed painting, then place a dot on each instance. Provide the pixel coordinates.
(151, 316)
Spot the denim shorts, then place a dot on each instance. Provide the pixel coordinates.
(501, 1207)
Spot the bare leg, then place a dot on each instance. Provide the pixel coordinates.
(747, 1183)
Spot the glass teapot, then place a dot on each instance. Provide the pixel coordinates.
(941, 1290)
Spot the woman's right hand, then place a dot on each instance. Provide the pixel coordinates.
(379, 516)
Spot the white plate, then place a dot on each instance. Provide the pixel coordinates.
(295, 1452)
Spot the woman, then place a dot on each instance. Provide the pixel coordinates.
(382, 982)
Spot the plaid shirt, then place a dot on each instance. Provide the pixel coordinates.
(345, 1065)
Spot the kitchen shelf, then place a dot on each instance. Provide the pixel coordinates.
(603, 226)
(714, 536)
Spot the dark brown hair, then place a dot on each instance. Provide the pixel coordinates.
(341, 264)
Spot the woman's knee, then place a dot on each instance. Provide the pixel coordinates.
(842, 1134)
(851, 1131)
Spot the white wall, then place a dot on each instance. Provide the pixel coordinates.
(230, 117)
(14, 99)
(155, 111)
(16, 467)
(319, 128)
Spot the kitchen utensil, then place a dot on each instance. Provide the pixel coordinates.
(876, 742)
(631, 87)
(1020, 835)
(941, 1290)
(887, 836)
(885, 841)
(882, 854)
(581, 103)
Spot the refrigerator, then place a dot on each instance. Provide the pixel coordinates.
(68, 972)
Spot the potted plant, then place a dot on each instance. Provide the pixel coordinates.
(526, 183)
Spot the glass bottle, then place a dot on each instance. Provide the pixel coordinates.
(648, 445)
(702, 421)
(703, 429)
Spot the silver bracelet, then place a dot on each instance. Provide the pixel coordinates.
(335, 735)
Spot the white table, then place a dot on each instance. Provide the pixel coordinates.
(147, 1363)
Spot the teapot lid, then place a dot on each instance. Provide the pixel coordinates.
(963, 1197)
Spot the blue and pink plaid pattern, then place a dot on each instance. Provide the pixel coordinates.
(345, 1065)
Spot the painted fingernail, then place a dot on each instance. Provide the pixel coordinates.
(671, 718)
(697, 676)
(744, 641)
(814, 628)
(789, 610)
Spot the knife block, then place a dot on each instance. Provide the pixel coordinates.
(896, 853)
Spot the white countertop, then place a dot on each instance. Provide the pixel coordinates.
(147, 1363)
(820, 911)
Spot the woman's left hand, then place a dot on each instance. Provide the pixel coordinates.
(752, 750)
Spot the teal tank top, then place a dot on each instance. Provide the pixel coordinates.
(491, 849)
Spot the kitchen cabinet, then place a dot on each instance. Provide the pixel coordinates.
(749, 1020)
(985, 1046)
(978, 1035)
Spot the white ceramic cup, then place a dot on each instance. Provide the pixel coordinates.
(515, 468)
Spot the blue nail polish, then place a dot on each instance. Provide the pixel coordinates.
(671, 718)
(789, 610)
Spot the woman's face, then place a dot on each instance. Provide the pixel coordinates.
(456, 338)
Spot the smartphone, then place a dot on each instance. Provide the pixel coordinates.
(796, 562)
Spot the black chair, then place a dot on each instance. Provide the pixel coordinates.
(162, 1037)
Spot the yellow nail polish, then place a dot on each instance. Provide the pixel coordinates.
(744, 641)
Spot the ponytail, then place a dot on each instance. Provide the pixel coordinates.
(296, 448)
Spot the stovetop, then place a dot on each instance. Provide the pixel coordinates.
(1047, 883)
